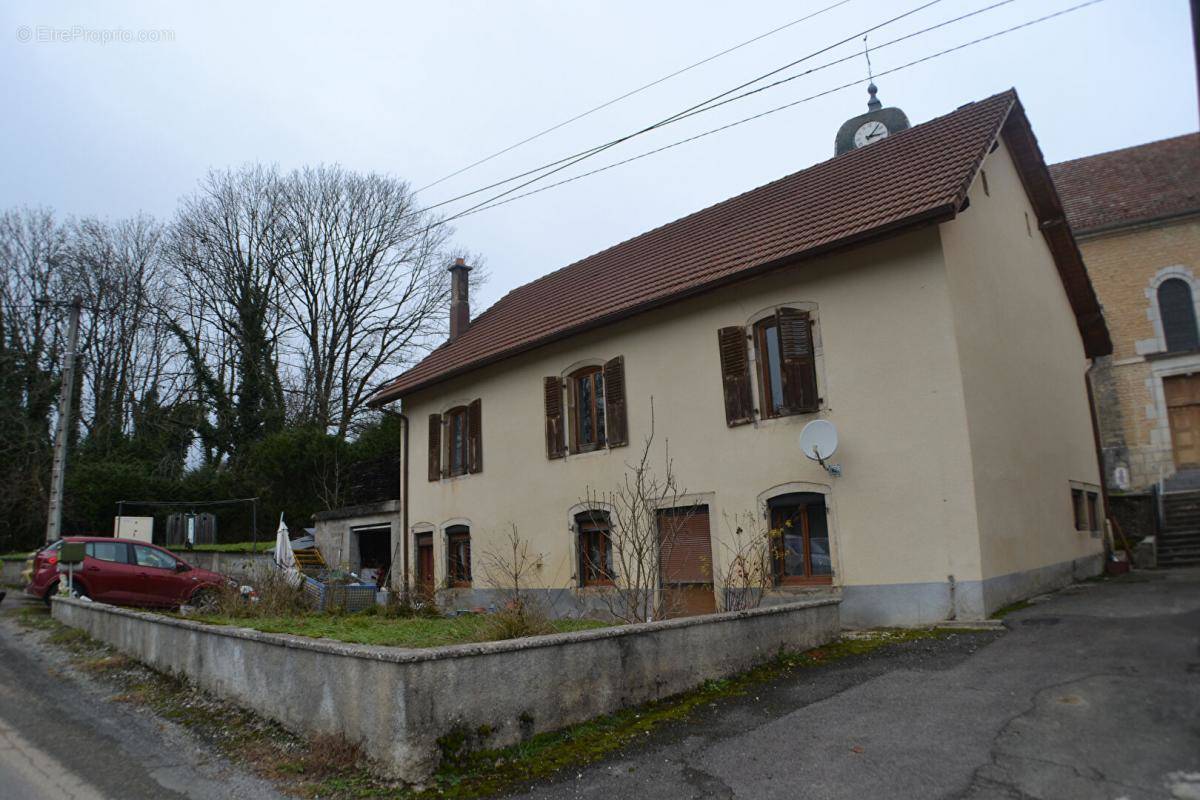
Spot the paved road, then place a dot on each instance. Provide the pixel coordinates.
(62, 737)
(1094, 693)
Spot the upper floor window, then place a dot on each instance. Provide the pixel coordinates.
(593, 415)
(456, 441)
(785, 356)
(1178, 313)
(458, 428)
(587, 388)
(595, 548)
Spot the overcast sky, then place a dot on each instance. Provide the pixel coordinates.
(418, 90)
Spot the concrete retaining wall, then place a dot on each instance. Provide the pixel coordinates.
(235, 565)
(397, 702)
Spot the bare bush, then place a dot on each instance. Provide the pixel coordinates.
(635, 566)
(747, 571)
(277, 595)
(510, 570)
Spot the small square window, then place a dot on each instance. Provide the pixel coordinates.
(1079, 505)
(1093, 511)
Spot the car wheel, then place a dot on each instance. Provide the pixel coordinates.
(204, 600)
(50, 592)
(81, 592)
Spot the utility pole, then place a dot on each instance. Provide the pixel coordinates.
(54, 517)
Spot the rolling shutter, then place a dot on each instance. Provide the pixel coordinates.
(552, 395)
(685, 546)
(798, 363)
(435, 447)
(614, 402)
(735, 375)
(475, 436)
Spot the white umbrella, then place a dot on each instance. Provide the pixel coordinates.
(284, 556)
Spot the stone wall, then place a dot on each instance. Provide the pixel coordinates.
(397, 702)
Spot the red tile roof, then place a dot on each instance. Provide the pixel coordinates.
(913, 177)
(1131, 186)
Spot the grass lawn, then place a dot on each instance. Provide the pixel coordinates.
(390, 631)
(15, 556)
(231, 547)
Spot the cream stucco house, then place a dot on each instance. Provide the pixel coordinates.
(919, 290)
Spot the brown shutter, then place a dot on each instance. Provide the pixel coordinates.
(475, 436)
(552, 392)
(685, 546)
(572, 419)
(616, 428)
(735, 374)
(435, 447)
(798, 361)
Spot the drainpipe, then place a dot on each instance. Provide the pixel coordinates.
(403, 496)
(1087, 381)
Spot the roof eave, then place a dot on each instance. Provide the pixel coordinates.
(1048, 208)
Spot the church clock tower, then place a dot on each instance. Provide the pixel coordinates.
(878, 123)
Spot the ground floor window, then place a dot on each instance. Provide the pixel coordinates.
(424, 566)
(595, 548)
(1079, 505)
(458, 542)
(800, 538)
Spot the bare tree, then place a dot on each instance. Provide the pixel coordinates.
(635, 565)
(510, 568)
(747, 563)
(367, 287)
(226, 245)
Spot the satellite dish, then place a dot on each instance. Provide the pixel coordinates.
(819, 439)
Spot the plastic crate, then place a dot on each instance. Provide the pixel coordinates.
(334, 595)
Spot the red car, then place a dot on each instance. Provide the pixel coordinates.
(125, 572)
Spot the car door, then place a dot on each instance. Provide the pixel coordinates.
(107, 574)
(161, 584)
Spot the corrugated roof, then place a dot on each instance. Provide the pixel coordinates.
(1131, 186)
(915, 176)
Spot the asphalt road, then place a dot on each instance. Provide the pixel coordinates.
(1094, 693)
(62, 736)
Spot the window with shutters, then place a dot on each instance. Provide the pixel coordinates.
(800, 538)
(1177, 310)
(456, 441)
(594, 416)
(458, 557)
(787, 363)
(594, 548)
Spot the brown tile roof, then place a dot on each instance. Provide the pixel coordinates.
(916, 176)
(1135, 185)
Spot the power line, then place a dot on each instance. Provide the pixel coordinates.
(631, 93)
(770, 111)
(560, 164)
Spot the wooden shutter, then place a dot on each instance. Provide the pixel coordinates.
(735, 375)
(616, 428)
(572, 418)
(798, 362)
(435, 447)
(475, 436)
(552, 392)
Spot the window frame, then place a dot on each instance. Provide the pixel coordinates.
(596, 525)
(1093, 510)
(596, 412)
(1079, 508)
(766, 395)
(801, 502)
(457, 415)
(1181, 319)
(458, 557)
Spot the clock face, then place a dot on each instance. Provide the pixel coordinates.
(870, 132)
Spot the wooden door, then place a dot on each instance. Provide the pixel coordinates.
(1183, 412)
(685, 562)
(425, 586)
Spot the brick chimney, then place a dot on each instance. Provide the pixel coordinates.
(460, 298)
